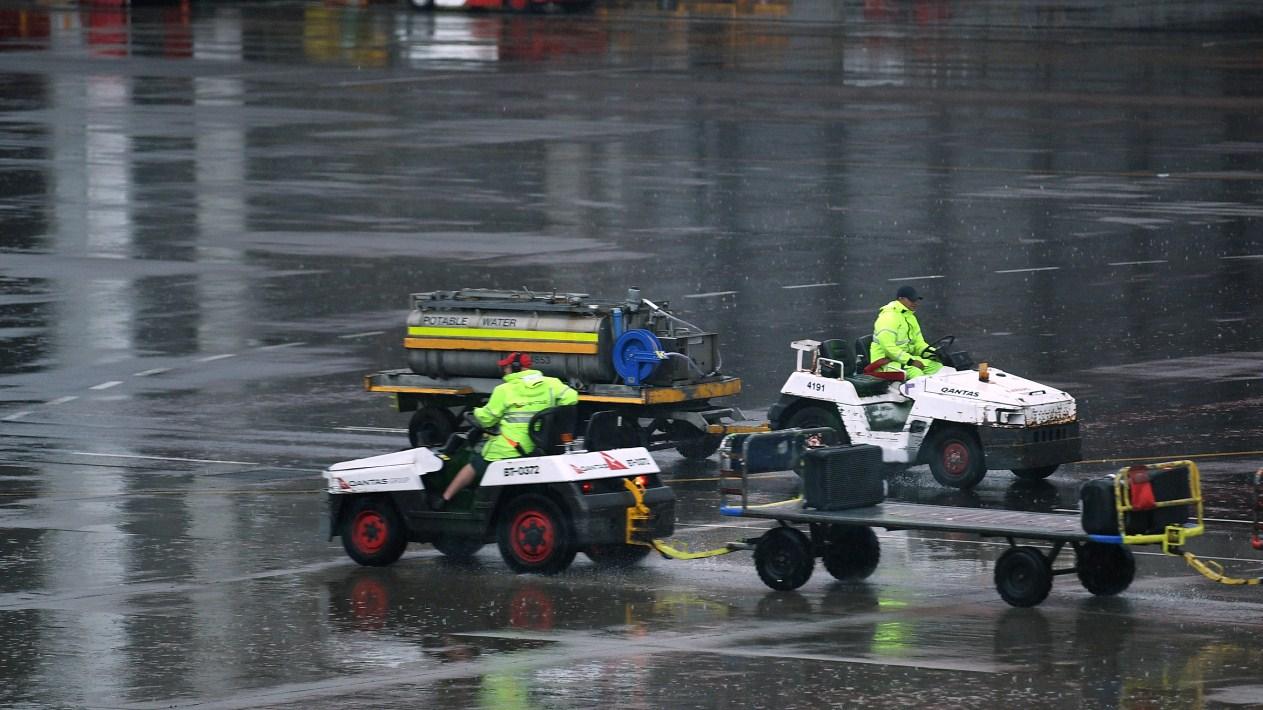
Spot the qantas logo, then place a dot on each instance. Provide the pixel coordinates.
(614, 464)
(953, 390)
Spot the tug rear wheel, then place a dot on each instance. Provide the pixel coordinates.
(1023, 576)
(1104, 569)
(617, 555)
(535, 537)
(1038, 473)
(783, 558)
(812, 416)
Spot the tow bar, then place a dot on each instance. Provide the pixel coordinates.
(638, 530)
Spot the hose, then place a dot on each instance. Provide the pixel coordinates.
(719, 364)
(689, 360)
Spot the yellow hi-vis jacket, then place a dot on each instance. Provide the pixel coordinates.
(896, 335)
(513, 403)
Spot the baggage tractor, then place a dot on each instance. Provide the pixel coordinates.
(841, 477)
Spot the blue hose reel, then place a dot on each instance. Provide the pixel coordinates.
(636, 355)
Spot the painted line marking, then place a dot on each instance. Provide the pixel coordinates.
(1003, 332)
(155, 371)
(371, 428)
(1137, 263)
(63, 400)
(1244, 256)
(1022, 271)
(917, 278)
(212, 358)
(361, 335)
(16, 416)
(106, 385)
(710, 295)
(831, 283)
(159, 458)
(278, 346)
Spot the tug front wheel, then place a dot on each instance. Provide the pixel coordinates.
(372, 532)
(534, 536)
(956, 458)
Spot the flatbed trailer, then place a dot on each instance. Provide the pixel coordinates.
(784, 556)
(610, 416)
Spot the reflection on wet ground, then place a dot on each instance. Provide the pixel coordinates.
(213, 214)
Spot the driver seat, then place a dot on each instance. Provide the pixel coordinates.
(863, 346)
(551, 428)
(865, 384)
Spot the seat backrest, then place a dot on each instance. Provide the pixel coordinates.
(837, 349)
(863, 346)
(548, 425)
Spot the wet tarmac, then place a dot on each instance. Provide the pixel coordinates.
(213, 214)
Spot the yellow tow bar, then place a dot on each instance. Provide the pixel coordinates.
(1214, 571)
(638, 531)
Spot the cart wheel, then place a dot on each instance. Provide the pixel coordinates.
(693, 444)
(783, 558)
(956, 458)
(851, 552)
(430, 426)
(617, 556)
(1037, 473)
(372, 532)
(458, 547)
(1104, 569)
(534, 536)
(1023, 576)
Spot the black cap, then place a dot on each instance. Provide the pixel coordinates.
(909, 293)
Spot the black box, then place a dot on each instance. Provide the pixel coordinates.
(840, 477)
(1100, 517)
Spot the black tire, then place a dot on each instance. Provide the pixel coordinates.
(421, 4)
(812, 416)
(372, 532)
(783, 558)
(535, 537)
(1037, 473)
(692, 444)
(430, 426)
(457, 547)
(1023, 576)
(617, 556)
(1104, 569)
(851, 552)
(956, 458)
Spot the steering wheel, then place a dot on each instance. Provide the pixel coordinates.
(938, 349)
(476, 429)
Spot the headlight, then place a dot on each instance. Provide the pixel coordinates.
(1010, 417)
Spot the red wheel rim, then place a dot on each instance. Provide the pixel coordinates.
(955, 459)
(369, 531)
(534, 536)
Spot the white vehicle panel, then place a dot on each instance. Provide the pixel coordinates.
(396, 471)
(564, 468)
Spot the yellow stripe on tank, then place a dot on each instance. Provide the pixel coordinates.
(501, 334)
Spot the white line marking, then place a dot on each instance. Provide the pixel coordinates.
(916, 278)
(278, 346)
(709, 295)
(106, 385)
(16, 416)
(1021, 271)
(1002, 332)
(1244, 256)
(158, 458)
(371, 428)
(361, 335)
(155, 371)
(831, 283)
(1137, 263)
(63, 400)
(212, 358)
